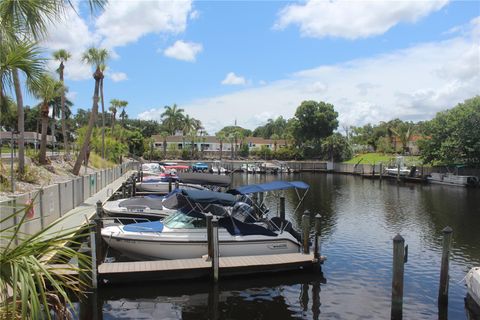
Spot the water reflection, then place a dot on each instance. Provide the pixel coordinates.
(278, 296)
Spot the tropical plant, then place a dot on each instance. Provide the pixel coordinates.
(46, 90)
(403, 132)
(221, 137)
(114, 105)
(172, 118)
(123, 104)
(63, 55)
(95, 57)
(29, 287)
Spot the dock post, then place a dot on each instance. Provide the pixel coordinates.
(209, 217)
(444, 277)
(141, 175)
(124, 191)
(316, 252)
(397, 280)
(169, 184)
(83, 276)
(134, 186)
(216, 249)
(306, 231)
(398, 172)
(381, 171)
(282, 207)
(98, 233)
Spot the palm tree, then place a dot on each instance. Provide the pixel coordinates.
(102, 68)
(95, 57)
(46, 89)
(114, 104)
(173, 117)
(123, 104)
(404, 132)
(15, 57)
(63, 55)
(22, 20)
(221, 137)
(164, 135)
(275, 139)
(30, 288)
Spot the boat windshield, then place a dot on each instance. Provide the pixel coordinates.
(179, 220)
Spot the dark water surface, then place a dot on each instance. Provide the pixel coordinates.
(359, 219)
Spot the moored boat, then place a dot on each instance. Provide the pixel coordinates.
(473, 284)
(453, 179)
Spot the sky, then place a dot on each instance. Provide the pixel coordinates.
(248, 61)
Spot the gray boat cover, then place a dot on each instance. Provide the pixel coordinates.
(204, 179)
(152, 203)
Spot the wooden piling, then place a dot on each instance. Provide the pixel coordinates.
(209, 217)
(282, 207)
(134, 186)
(216, 249)
(398, 172)
(306, 231)
(316, 252)
(444, 277)
(169, 184)
(397, 279)
(381, 171)
(124, 190)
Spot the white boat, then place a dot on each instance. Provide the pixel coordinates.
(137, 208)
(453, 179)
(183, 234)
(402, 171)
(163, 187)
(217, 168)
(252, 168)
(473, 284)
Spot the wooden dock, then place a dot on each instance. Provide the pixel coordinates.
(182, 269)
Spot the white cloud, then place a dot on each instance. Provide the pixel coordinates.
(232, 79)
(411, 84)
(125, 22)
(118, 76)
(186, 51)
(353, 19)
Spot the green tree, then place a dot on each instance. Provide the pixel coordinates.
(336, 148)
(403, 132)
(221, 138)
(172, 118)
(314, 121)
(114, 105)
(95, 57)
(63, 55)
(46, 89)
(453, 136)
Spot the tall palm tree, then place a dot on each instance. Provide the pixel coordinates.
(404, 132)
(275, 137)
(95, 57)
(172, 118)
(46, 89)
(114, 104)
(15, 57)
(63, 55)
(102, 68)
(164, 135)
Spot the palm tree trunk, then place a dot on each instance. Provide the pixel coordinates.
(20, 123)
(64, 120)
(91, 122)
(103, 120)
(164, 147)
(42, 156)
(221, 147)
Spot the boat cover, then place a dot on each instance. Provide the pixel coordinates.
(151, 226)
(238, 228)
(269, 186)
(205, 179)
(181, 198)
(151, 202)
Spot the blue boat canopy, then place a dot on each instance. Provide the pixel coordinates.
(269, 186)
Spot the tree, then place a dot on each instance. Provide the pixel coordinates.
(314, 121)
(123, 104)
(453, 136)
(46, 89)
(403, 132)
(63, 55)
(18, 56)
(336, 148)
(172, 118)
(275, 139)
(95, 57)
(103, 66)
(164, 135)
(221, 137)
(114, 105)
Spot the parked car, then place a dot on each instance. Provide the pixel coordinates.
(200, 167)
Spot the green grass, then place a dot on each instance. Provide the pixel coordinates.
(97, 162)
(375, 158)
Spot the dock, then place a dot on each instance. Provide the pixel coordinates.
(184, 269)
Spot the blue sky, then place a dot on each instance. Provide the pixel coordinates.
(252, 60)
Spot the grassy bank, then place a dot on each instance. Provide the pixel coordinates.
(375, 158)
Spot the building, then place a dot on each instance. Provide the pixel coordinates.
(29, 137)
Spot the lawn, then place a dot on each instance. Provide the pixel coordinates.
(375, 158)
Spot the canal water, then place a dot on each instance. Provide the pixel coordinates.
(360, 217)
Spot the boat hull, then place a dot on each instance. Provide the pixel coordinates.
(473, 284)
(191, 245)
